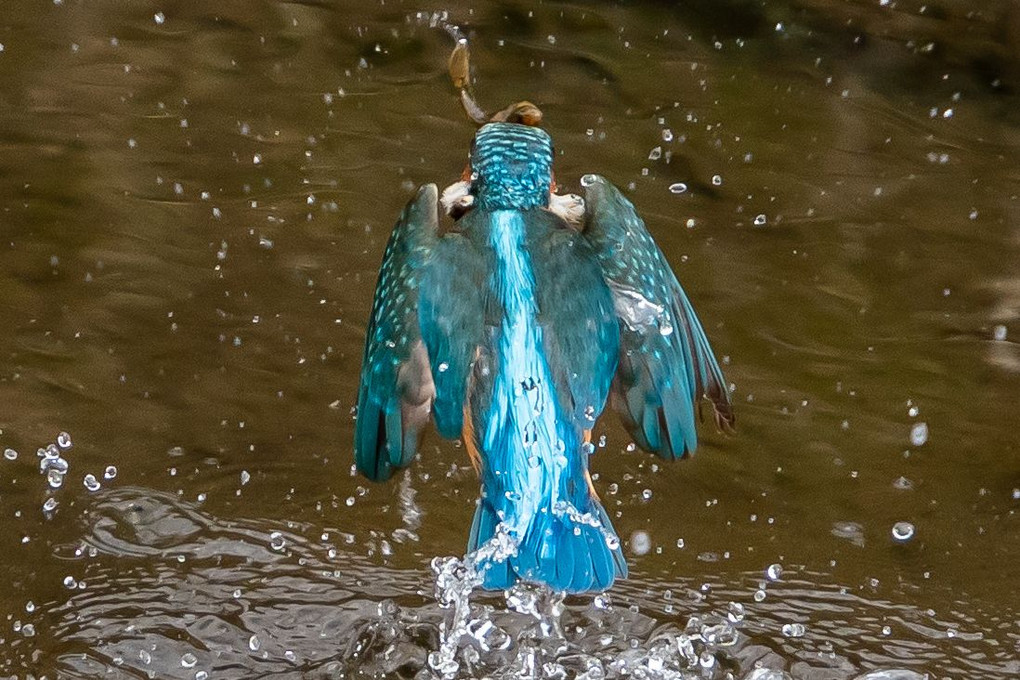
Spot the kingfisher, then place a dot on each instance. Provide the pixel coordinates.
(510, 315)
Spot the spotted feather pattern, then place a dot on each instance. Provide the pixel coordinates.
(396, 389)
(666, 364)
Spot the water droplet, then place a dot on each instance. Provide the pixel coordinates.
(277, 542)
(55, 478)
(667, 135)
(443, 367)
(90, 482)
(245, 477)
(64, 440)
(759, 595)
(588, 180)
(903, 531)
(677, 188)
(110, 472)
(640, 542)
(717, 180)
(254, 643)
(793, 630)
(760, 220)
(903, 484)
(10, 454)
(50, 505)
(735, 613)
(774, 572)
(159, 18)
(919, 434)
(999, 333)
(201, 675)
(646, 494)
(70, 583)
(256, 159)
(720, 634)
(53, 464)
(189, 660)
(446, 668)
(655, 154)
(587, 448)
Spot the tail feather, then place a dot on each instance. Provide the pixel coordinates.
(571, 570)
(615, 551)
(568, 555)
(496, 575)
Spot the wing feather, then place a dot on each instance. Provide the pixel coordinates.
(396, 388)
(452, 323)
(666, 364)
(422, 339)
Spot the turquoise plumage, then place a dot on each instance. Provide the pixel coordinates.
(512, 328)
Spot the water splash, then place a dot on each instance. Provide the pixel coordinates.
(537, 635)
(456, 579)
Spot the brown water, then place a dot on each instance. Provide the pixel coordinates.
(193, 207)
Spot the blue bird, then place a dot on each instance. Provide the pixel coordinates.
(511, 328)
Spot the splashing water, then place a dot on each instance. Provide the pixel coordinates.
(537, 636)
(455, 581)
(525, 632)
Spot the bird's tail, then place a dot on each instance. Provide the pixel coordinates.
(569, 549)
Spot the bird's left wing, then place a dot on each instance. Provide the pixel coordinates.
(666, 364)
(421, 340)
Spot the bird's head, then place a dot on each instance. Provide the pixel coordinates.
(511, 166)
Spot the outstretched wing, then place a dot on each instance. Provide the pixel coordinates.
(415, 352)
(666, 364)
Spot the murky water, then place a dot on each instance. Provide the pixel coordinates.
(194, 199)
